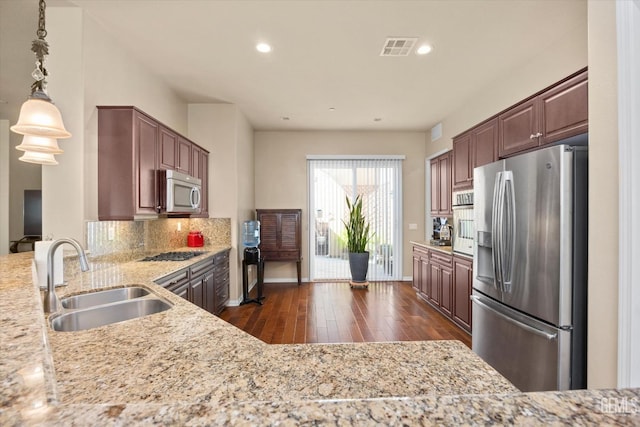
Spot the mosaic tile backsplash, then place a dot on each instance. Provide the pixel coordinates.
(132, 237)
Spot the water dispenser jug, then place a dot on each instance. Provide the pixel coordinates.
(251, 234)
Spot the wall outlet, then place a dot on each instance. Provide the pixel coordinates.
(179, 226)
(111, 233)
(413, 226)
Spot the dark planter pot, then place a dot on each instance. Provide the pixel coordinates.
(359, 264)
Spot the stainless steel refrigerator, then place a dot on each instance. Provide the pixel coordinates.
(530, 267)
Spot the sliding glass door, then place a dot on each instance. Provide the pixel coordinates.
(379, 182)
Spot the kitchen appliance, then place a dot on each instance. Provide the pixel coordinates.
(463, 222)
(174, 256)
(183, 193)
(195, 239)
(530, 282)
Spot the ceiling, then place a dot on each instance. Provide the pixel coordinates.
(326, 54)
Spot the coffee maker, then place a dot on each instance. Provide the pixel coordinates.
(442, 231)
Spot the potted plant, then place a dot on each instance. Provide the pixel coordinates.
(357, 238)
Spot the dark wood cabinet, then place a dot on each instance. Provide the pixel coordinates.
(476, 147)
(556, 113)
(132, 148)
(565, 110)
(462, 163)
(417, 273)
(441, 281)
(168, 143)
(421, 270)
(220, 280)
(435, 188)
(205, 283)
(200, 169)
(183, 154)
(175, 152)
(446, 290)
(444, 165)
(196, 291)
(441, 185)
(434, 290)
(485, 145)
(280, 235)
(127, 163)
(462, 288)
(518, 128)
(434, 279)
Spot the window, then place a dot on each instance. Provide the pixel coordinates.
(379, 182)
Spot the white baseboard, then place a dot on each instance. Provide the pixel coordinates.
(286, 280)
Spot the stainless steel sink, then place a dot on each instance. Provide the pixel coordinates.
(104, 297)
(101, 315)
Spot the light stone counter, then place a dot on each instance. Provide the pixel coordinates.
(187, 367)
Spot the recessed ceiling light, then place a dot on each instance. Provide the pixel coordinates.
(263, 47)
(424, 49)
(285, 118)
(332, 109)
(377, 119)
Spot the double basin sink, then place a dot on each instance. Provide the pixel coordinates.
(100, 308)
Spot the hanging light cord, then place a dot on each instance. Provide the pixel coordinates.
(41, 48)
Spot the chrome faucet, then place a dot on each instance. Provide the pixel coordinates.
(51, 301)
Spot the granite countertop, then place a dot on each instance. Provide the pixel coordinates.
(186, 367)
(444, 249)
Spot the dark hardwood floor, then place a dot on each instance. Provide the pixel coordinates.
(333, 312)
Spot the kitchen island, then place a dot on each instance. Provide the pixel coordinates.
(185, 366)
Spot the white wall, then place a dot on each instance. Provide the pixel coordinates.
(88, 68)
(225, 132)
(16, 65)
(281, 178)
(603, 196)
(63, 186)
(547, 66)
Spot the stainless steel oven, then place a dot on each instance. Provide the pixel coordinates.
(463, 222)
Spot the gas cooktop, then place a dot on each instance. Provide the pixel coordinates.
(174, 256)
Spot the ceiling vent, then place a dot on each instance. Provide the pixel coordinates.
(398, 46)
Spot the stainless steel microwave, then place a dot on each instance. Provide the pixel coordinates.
(184, 193)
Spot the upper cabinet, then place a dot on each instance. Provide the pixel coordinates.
(175, 151)
(476, 147)
(132, 148)
(462, 167)
(556, 113)
(441, 185)
(200, 169)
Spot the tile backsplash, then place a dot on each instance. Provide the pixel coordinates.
(109, 237)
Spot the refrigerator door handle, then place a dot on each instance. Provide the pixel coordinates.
(508, 246)
(478, 300)
(495, 231)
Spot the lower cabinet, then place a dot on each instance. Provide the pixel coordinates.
(444, 281)
(462, 287)
(220, 280)
(205, 284)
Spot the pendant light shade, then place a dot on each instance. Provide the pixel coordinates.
(40, 158)
(40, 120)
(40, 117)
(40, 144)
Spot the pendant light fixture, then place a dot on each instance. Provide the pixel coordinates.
(40, 120)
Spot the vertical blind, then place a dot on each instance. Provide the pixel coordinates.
(379, 182)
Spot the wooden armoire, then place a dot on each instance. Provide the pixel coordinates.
(280, 235)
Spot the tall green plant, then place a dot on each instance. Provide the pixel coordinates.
(357, 227)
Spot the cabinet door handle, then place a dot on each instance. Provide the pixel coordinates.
(532, 136)
(538, 135)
